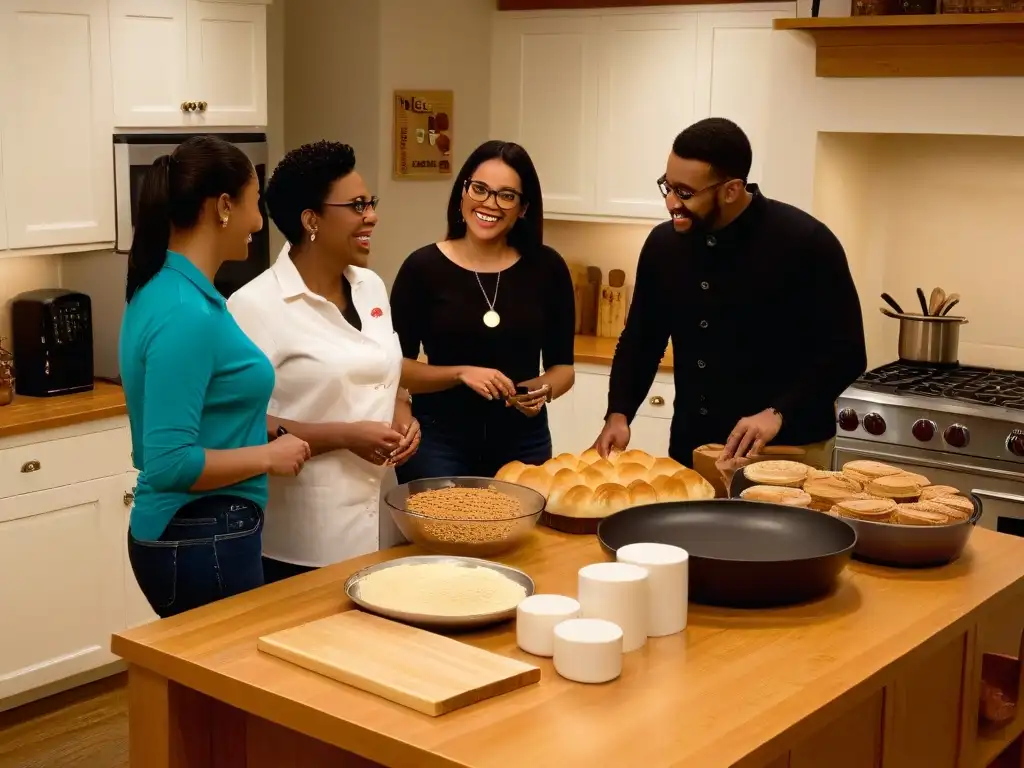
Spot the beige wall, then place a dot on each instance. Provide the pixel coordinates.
(24, 273)
(926, 211)
(343, 61)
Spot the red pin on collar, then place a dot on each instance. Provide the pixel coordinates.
(376, 312)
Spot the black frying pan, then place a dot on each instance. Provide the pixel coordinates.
(743, 554)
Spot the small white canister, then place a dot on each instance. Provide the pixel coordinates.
(536, 618)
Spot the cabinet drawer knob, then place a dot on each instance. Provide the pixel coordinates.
(30, 466)
(129, 498)
(657, 400)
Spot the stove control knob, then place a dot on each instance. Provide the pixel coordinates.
(957, 435)
(1015, 442)
(874, 424)
(924, 430)
(848, 419)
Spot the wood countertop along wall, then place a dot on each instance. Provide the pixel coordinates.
(31, 414)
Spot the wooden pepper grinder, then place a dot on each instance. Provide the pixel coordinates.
(6, 374)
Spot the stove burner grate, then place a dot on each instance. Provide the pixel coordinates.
(983, 386)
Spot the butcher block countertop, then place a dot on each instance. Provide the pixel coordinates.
(30, 414)
(601, 351)
(888, 666)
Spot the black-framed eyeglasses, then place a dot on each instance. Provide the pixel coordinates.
(504, 198)
(359, 206)
(685, 194)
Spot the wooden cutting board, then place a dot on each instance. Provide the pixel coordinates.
(579, 289)
(418, 669)
(611, 312)
(591, 299)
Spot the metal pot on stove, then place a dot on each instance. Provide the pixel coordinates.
(928, 339)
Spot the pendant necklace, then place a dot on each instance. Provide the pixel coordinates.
(491, 318)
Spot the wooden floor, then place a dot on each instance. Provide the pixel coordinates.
(83, 728)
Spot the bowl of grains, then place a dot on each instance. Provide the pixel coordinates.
(467, 516)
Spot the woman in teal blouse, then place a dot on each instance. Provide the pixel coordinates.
(197, 388)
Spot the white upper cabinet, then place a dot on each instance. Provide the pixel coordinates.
(227, 61)
(596, 97)
(733, 73)
(544, 96)
(56, 122)
(189, 63)
(647, 71)
(147, 49)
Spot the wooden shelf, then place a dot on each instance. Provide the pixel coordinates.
(950, 45)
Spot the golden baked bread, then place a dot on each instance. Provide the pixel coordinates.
(785, 473)
(932, 491)
(919, 514)
(777, 494)
(588, 486)
(900, 487)
(921, 480)
(956, 506)
(826, 492)
(864, 471)
(872, 510)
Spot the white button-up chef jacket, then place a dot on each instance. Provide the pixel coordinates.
(327, 371)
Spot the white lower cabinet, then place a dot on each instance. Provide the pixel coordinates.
(576, 418)
(136, 608)
(61, 582)
(65, 581)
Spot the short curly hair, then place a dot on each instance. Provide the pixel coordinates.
(302, 181)
(718, 142)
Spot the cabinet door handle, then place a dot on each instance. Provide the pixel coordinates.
(129, 498)
(30, 466)
(657, 400)
(202, 106)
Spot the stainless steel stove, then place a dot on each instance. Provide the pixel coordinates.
(960, 426)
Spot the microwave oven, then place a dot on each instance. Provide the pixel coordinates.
(101, 275)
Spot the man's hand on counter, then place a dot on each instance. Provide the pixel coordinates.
(614, 436)
(751, 434)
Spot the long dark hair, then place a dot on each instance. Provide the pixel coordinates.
(173, 192)
(528, 232)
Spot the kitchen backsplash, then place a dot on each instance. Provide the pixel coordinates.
(929, 210)
(607, 246)
(24, 273)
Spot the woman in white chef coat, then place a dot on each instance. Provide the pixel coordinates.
(324, 322)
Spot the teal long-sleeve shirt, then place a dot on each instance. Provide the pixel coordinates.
(193, 381)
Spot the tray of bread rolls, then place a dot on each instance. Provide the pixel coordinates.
(901, 517)
(583, 490)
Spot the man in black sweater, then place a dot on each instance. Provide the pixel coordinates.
(758, 301)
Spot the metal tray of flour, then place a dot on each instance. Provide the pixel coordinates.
(431, 621)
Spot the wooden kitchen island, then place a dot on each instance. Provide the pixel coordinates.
(883, 673)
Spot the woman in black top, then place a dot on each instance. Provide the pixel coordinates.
(490, 305)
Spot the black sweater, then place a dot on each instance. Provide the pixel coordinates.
(438, 304)
(762, 313)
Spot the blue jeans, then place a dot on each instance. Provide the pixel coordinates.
(450, 447)
(211, 549)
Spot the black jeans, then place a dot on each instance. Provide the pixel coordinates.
(211, 549)
(451, 447)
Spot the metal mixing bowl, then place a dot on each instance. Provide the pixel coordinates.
(465, 538)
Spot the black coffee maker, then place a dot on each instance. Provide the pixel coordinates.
(51, 332)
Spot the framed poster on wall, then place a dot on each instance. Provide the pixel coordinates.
(423, 134)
